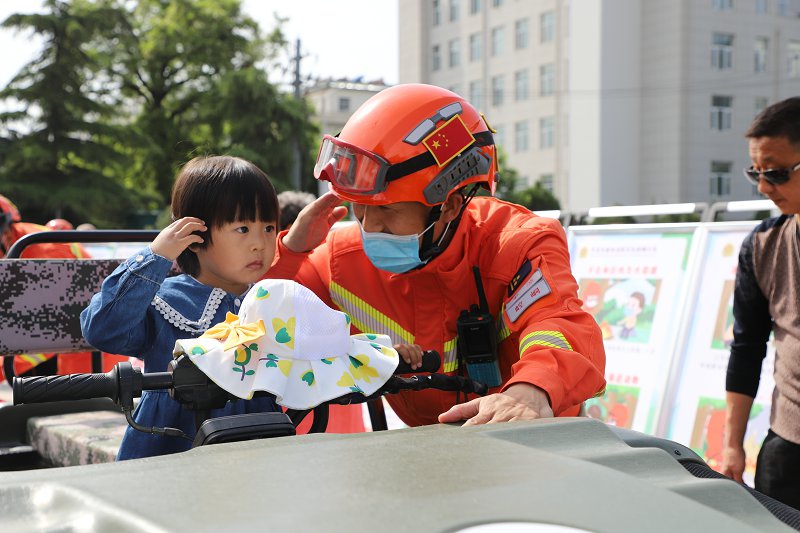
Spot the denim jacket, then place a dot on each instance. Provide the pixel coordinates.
(141, 312)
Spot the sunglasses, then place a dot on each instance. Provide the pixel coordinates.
(775, 176)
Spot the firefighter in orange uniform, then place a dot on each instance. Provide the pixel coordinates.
(11, 230)
(425, 249)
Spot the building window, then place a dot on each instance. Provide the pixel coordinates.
(521, 136)
(521, 85)
(760, 54)
(783, 8)
(722, 51)
(497, 3)
(500, 135)
(454, 10)
(547, 27)
(344, 104)
(474, 6)
(722, 5)
(476, 94)
(719, 184)
(475, 47)
(761, 7)
(721, 112)
(436, 15)
(760, 103)
(436, 58)
(793, 59)
(546, 132)
(521, 34)
(547, 79)
(498, 37)
(546, 182)
(497, 90)
(454, 56)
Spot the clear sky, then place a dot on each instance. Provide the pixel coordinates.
(339, 38)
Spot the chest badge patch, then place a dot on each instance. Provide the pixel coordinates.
(529, 292)
(519, 277)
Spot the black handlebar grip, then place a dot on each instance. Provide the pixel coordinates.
(39, 389)
(430, 363)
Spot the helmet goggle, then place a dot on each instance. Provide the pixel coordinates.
(350, 168)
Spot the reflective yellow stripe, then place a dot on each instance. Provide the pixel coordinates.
(502, 328)
(76, 250)
(366, 318)
(550, 338)
(450, 355)
(33, 359)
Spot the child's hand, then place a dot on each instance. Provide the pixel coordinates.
(411, 354)
(178, 236)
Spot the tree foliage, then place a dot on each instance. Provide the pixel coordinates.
(124, 93)
(535, 198)
(55, 138)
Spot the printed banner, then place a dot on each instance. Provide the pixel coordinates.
(632, 282)
(697, 404)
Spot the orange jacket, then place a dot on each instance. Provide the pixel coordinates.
(44, 250)
(551, 342)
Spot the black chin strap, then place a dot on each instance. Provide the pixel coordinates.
(428, 250)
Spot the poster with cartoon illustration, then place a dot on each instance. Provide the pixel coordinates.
(632, 279)
(616, 406)
(624, 308)
(695, 405)
(709, 427)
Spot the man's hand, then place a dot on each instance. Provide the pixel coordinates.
(520, 401)
(733, 462)
(178, 236)
(313, 223)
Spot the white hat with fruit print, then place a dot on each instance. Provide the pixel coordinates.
(286, 341)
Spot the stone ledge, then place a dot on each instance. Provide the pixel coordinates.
(77, 438)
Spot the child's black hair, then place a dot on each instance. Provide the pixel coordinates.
(218, 190)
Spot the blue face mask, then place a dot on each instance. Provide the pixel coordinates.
(394, 253)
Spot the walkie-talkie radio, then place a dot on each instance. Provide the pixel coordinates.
(477, 339)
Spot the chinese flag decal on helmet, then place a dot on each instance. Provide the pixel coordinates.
(449, 140)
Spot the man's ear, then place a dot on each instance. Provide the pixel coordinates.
(451, 207)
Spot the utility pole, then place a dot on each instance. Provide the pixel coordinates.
(297, 83)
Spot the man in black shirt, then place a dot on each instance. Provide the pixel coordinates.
(766, 300)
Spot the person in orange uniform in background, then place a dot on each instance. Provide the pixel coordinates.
(59, 224)
(12, 228)
(410, 161)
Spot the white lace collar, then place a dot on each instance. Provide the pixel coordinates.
(175, 318)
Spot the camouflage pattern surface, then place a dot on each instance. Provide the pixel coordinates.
(78, 438)
(41, 301)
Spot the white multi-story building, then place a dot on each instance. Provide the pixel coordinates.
(335, 100)
(613, 101)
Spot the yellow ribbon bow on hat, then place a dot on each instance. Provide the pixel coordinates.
(234, 333)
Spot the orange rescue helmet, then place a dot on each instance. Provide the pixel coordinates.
(59, 224)
(409, 143)
(8, 213)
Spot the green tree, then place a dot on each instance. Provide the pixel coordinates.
(52, 140)
(191, 69)
(250, 118)
(535, 198)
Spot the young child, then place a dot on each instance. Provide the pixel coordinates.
(225, 213)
